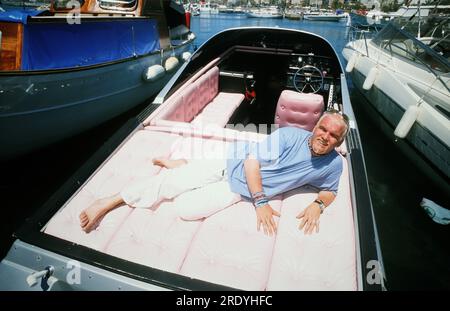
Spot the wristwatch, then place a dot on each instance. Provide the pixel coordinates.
(321, 205)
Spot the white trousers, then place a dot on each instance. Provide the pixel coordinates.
(201, 188)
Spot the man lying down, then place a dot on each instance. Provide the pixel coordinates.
(287, 159)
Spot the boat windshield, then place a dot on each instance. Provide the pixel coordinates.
(425, 41)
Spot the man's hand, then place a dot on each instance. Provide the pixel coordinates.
(310, 220)
(264, 218)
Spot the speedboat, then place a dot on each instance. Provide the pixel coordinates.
(404, 71)
(63, 71)
(238, 86)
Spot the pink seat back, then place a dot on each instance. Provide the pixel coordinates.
(299, 109)
(185, 105)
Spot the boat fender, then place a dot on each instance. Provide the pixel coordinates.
(153, 73)
(407, 121)
(185, 56)
(171, 63)
(351, 62)
(370, 79)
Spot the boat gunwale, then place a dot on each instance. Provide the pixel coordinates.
(363, 218)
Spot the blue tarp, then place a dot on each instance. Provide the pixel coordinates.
(18, 15)
(61, 45)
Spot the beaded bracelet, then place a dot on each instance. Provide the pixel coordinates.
(260, 202)
(259, 199)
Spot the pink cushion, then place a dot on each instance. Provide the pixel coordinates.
(66, 223)
(176, 111)
(190, 103)
(132, 160)
(158, 239)
(213, 79)
(186, 104)
(302, 110)
(208, 86)
(219, 110)
(200, 148)
(200, 103)
(321, 261)
(228, 249)
(206, 132)
(224, 248)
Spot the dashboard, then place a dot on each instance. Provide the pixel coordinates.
(309, 73)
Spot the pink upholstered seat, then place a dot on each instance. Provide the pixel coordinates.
(321, 261)
(133, 160)
(224, 248)
(200, 103)
(219, 110)
(158, 239)
(301, 110)
(228, 249)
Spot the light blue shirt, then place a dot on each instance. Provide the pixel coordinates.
(286, 163)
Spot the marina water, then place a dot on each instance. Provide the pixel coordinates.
(415, 250)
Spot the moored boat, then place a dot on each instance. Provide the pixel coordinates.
(324, 17)
(404, 73)
(293, 13)
(232, 89)
(66, 70)
(265, 12)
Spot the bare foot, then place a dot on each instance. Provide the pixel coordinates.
(90, 217)
(168, 163)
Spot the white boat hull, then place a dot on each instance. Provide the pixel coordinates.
(397, 86)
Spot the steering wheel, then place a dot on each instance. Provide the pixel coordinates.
(309, 76)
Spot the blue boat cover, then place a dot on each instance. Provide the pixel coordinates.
(18, 15)
(62, 45)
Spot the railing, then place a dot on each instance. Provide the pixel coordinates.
(357, 35)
